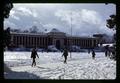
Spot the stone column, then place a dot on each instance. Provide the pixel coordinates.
(83, 43)
(30, 41)
(15, 40)
(92, 42)
(53, 42)
(24, 41)
(18, 40)
(41, 42)
(36, 41)
(87, 43)
(27, 39)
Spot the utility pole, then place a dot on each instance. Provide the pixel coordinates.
(71, 35)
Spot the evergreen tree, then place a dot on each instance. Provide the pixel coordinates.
(7, 6)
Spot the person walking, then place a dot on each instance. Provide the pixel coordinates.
(33, 56)
(106, 50)
(65, 54)
(93, 54)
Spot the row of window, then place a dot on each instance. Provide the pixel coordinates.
(29, 41)
(83, 42)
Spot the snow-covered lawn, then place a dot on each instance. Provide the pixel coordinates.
(51, 66)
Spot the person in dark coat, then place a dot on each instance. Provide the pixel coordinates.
(106, 50)
(109, 51)
(33, 55)
(93, 54)
(113, 53)
(65, 54)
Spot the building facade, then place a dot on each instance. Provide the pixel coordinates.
(54, 37)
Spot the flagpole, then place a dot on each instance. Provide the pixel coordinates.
(71, 34)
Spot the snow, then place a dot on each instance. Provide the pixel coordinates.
(53, 48)
(50, 66)
(75, 48)
(110, 44)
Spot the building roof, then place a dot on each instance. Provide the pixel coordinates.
(55, 30)
(40, 33)
(68, 35)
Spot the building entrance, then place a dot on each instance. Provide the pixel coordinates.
(58, 44)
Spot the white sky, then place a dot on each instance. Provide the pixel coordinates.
(87, 19)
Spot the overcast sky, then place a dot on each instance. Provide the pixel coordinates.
(87, 19)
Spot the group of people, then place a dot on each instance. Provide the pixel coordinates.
(34, 55)
(65, 54)
(110, 51)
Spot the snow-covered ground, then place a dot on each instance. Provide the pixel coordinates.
(50, 66)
